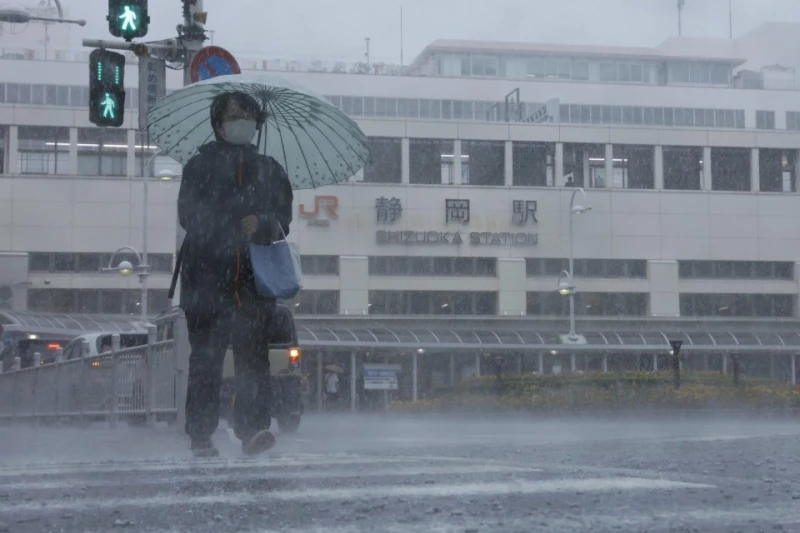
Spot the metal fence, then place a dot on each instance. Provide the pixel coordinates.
(134, 384)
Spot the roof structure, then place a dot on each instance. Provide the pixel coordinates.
(63, 324)
(354, 336)
(661, 53)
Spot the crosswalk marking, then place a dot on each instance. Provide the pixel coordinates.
(274, 474)
(363, 493)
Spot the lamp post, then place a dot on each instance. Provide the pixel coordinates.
(142, 268)
(126, 269)
(567, 288)
(21, 16)
(566, 285)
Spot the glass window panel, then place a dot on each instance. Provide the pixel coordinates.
(623, 72)
(608, 72)
(369, 106)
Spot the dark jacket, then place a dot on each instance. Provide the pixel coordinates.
(215, 267)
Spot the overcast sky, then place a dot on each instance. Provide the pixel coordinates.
(335, 29)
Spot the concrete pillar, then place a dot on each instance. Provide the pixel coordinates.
(655, 362)
(540, 357)
(559, 166)
(707, 168)
(353, 375)
(705, 362)
(511, 276)
(519, 364)
(13, 150)
(609, 168)
(73, 151)
(658, 167)
(662, 278)
(354, 285)
(457, 162)
(414, 376)
(755, 170)
(794, 369)
(509, 164)
(477, 365)
(724, 363)
(572, 363)
(605, 363)
(452, 369)
(131, 155)
(772, 366)
(320, 383)
(405, 160)
(797, 170)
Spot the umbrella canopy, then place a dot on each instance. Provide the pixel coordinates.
(335, 368)
(315, 142)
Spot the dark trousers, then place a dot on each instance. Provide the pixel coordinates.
(248, 332)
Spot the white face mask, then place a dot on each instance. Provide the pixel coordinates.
(240, 131)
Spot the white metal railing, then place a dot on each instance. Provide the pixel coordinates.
(134, 383)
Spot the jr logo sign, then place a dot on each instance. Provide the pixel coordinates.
(328, 204)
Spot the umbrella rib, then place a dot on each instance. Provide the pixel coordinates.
(339, 118)
(335, 132)
(283, 146)
(333, 174)
(168, 115)
(322, 156)
(302, 152)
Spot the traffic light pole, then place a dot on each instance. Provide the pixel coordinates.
(193, 35)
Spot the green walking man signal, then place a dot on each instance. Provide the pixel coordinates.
(106, 88)
(128, 18)
(109, 107)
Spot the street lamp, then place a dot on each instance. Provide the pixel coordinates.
(126, 269)
(142, 268)
(567, 287)
(15, 15)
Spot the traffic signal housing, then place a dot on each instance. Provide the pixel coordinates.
(106, 88)
(128, 18)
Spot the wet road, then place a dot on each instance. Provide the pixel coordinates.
(361, 473)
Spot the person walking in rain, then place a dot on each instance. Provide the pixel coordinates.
(229, 194)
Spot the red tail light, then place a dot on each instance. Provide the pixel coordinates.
(294, 354)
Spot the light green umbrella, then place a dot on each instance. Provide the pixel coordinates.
(315, 142)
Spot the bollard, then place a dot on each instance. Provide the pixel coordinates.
(115, 340)
(736, 369)
(150, 375)
(59, 360)
(16, 365)
(85, 351)
(497, 362)
(676, 363)
(37, 362)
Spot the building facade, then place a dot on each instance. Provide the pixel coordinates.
(688, 154)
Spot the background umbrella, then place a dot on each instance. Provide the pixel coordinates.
(335, 368)
(315, 142)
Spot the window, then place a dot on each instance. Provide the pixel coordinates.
(385, 162)
(431, 161)
(765, 120)
(793, 120)
(102, 152)
(737, 305)
(309, 302)
(320, 265)
(588, 304)
(683, 167)
(39, 262)
(534, 164)
(484, 65)
(43, 150)
(775, 270)
(608, 72)
(432, 303)
(580, 70)
(432, 266)
(730, 169)
(777, 170)
(590, 268)
(483, 162)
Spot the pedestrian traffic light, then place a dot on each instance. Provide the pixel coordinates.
(128, 18)
(106, 88)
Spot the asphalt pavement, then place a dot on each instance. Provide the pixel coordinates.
(348, 473)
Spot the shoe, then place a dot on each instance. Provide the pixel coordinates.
(204, 449)
(258, 443)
